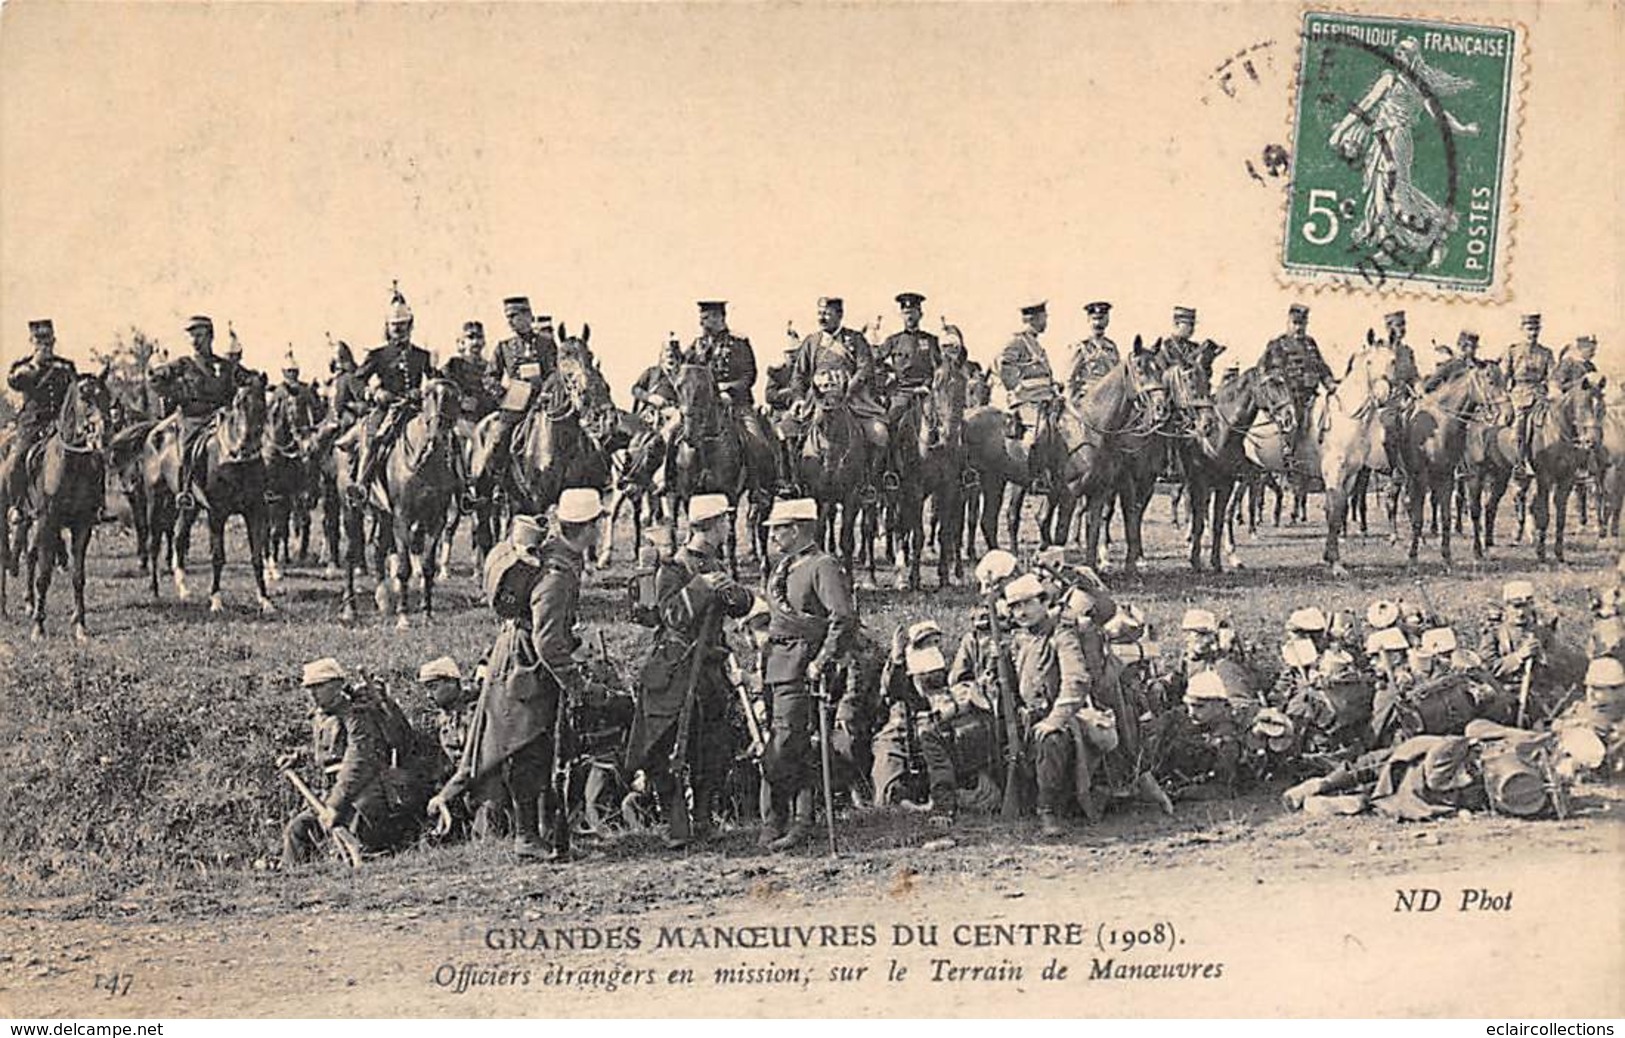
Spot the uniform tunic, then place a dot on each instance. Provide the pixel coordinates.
(1092, 360)
(1053, 681)
(1572, 369)
(1298, 361)
(1023, 358)
(537, 348)
(472, 377)
(43, 387)
(1528, 369)
(911, 358)
(731, 360)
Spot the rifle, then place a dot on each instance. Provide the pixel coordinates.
(758, 740)
(1014, 740)
(825, 766)
(559, 788)
(342, 837)
(1523, 688)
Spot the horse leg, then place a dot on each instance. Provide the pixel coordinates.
(1221, 523)
(1539, 507)
(217, 561)
(1444, 492)
(1472, 490)
(992, 503)
(82, 532)
(401, 581)
(1198, 494)
(1416, 508)
(1018, 499)
(182, 546)
(1560, 500)
(42, 551)
(1336, 516)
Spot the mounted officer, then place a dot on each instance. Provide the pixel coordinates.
(654, 404)
(1404, 373)
(1578, 362)
(43, 379)
(732, 361)
(524, 362)
(198, 385)
(297, 395)
(1528, 367)
(1295, 358)
(393, 375)
(905, 363)
(1094, 357)
(470, 372)
(833, 355)
(683, 697)
(1028, 380)
(1463, 357)
(813, 623)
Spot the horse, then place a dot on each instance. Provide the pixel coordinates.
(927, 453)
(1491, 455)
(832, 465)
(228, 478)
(550, 452)
(1214, 457)
(422, 475)
(66, 474)
(1611, 494)
(291, 479)
(1433, 441)
(1343, 433)
(1564, 445)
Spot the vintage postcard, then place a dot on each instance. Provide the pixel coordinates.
(800, 510)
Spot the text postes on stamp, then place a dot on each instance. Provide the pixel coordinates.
(1404, 136)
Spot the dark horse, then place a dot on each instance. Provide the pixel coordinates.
(1563, 447)
(832, 465)
(228, 478)
(550, 452)
(1215, 456)
(66, 473)
(1433, 444)
(420, 477)
(292, 481)
(711, 454)
(928, 454)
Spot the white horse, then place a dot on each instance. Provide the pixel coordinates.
(1342, 434)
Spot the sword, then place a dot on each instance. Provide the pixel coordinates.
(824, 762)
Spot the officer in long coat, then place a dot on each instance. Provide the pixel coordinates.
(393, 375)
(43, 379)
(683, 694)
(198, 385)
(1295, 358)
(813, 622)
(1094, 357)
(1529, 366)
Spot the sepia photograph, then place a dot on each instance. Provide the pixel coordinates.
(852, 510)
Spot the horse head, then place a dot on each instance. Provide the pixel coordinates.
(697, 399)
(1273, 396)
(942, 410)
(1580, 413)
(1370, 374)
(86, 414)
(1149, 390)
(442, 406)
(242, 423)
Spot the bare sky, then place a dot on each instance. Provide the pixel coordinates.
(277, 165)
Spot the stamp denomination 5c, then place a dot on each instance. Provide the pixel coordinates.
(1405, 134)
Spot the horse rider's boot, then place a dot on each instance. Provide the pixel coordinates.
(678, 831)
(801, 824)
(364, 470)
(184, 500)
(1526, 434)
(1048, 824)
(701, 824)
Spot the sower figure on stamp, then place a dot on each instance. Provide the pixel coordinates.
(393, 375)
(521, 729)
(813, 622)
(353, 752)
(835, 354)
(1028, 380)
(1295, 358)
(523, 363)
(906, 361)
(198, 385)
(1528, 367)
(1094, 357)
(43, 379)
(681, 729)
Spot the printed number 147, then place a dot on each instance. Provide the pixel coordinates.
(1317, 233)
(113, 983)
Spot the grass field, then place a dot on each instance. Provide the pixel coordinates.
(145, 757)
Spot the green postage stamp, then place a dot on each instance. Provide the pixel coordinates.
(1405, 141)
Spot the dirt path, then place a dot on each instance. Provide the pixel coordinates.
(1279, 916)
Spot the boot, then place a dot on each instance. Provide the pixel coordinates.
(801, 825)
(678, 832)
(701, 824)
(1048, 824)
(527, 835)
(773, 819)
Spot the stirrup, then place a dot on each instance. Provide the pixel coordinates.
(185, 501)
(1042, 483)
(868, 495)
(890, 480)
(356, 493)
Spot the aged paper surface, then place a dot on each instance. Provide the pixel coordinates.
(280, 164)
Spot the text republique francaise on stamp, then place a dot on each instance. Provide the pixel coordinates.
(1405, 143)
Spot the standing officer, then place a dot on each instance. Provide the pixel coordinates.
(393, 375)
(1528, 367)
(1024, 370)
(470, 372)
(523, 362)
(43, 379)
(1096, 356)
(198, 385)
(681, 726)
(814, 620)
(1295, 357)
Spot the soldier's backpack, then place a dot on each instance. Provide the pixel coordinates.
(510, 576)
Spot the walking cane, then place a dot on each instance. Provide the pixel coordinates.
(824, 762)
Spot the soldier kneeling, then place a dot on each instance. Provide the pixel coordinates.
(370, 798)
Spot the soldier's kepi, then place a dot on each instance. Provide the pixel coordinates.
(812, 624)
(680, 730)
(43, 380)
